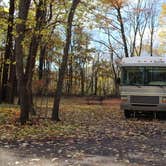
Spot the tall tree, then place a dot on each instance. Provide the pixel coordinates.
(162, 32)
(25, 74)
(118, 5)
(153, 14)
(62, 70)
(46, 19)
(142, 27)
(135, 21)
(8, 77)
(35, 40)
(21, 29)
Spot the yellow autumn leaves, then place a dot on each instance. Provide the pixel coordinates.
(162, 30)
(115, 3)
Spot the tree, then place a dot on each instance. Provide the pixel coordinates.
(33, 48)
(143, 25)
(62, 70)
(162, 32)
(118, 5)
(8, 77)
(153, 14)
(22, 89)
(82, 54)
(135, 22)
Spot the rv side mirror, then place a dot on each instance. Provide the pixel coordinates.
(118, 80)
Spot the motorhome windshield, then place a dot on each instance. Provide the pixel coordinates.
(146, 76)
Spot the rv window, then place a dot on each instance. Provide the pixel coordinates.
(155, 76)
(133, 75)
(147, 76)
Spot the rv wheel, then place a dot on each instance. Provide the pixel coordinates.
(127, 113)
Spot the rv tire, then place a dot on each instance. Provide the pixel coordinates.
(127, 114)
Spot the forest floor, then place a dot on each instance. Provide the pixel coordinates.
(89, 134)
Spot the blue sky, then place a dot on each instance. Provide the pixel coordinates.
(98, 35)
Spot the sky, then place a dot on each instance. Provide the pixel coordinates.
(99, 36)
(146, 38)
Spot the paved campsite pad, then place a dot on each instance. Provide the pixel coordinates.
(111, 140)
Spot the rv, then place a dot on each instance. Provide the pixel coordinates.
(143, 85)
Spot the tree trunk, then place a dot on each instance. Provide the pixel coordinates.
(82, 81)
(96, 82)
(41, 60)
(92, 83)
(12, 85)
(20, 29)
(70, 76)
(116, 85)
(122, 32)
(141, 33)
(25, 79)
(92, 78)
(29, 70)
(8, 56)
(151, 41)
(1, 69)
(55, 111)
(36, 38)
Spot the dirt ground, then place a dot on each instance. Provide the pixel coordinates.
(110, 141)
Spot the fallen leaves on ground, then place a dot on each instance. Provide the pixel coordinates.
(94, 129)
(79, 120)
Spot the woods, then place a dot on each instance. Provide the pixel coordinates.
(70, 48)
(82, 82)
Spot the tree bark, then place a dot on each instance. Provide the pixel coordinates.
(55, 111)
(82, 72)
(20, 29)
(41, 60)
(1, 72)
(122, 32)
(151, 37)
(36, 38)
(96, 82)
(8, 59)
(12, 83)
(70, 87)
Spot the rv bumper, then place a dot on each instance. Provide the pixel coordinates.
(159, 107)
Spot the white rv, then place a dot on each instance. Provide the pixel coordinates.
(143, 85)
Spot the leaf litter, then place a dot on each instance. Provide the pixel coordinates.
(97, 130)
